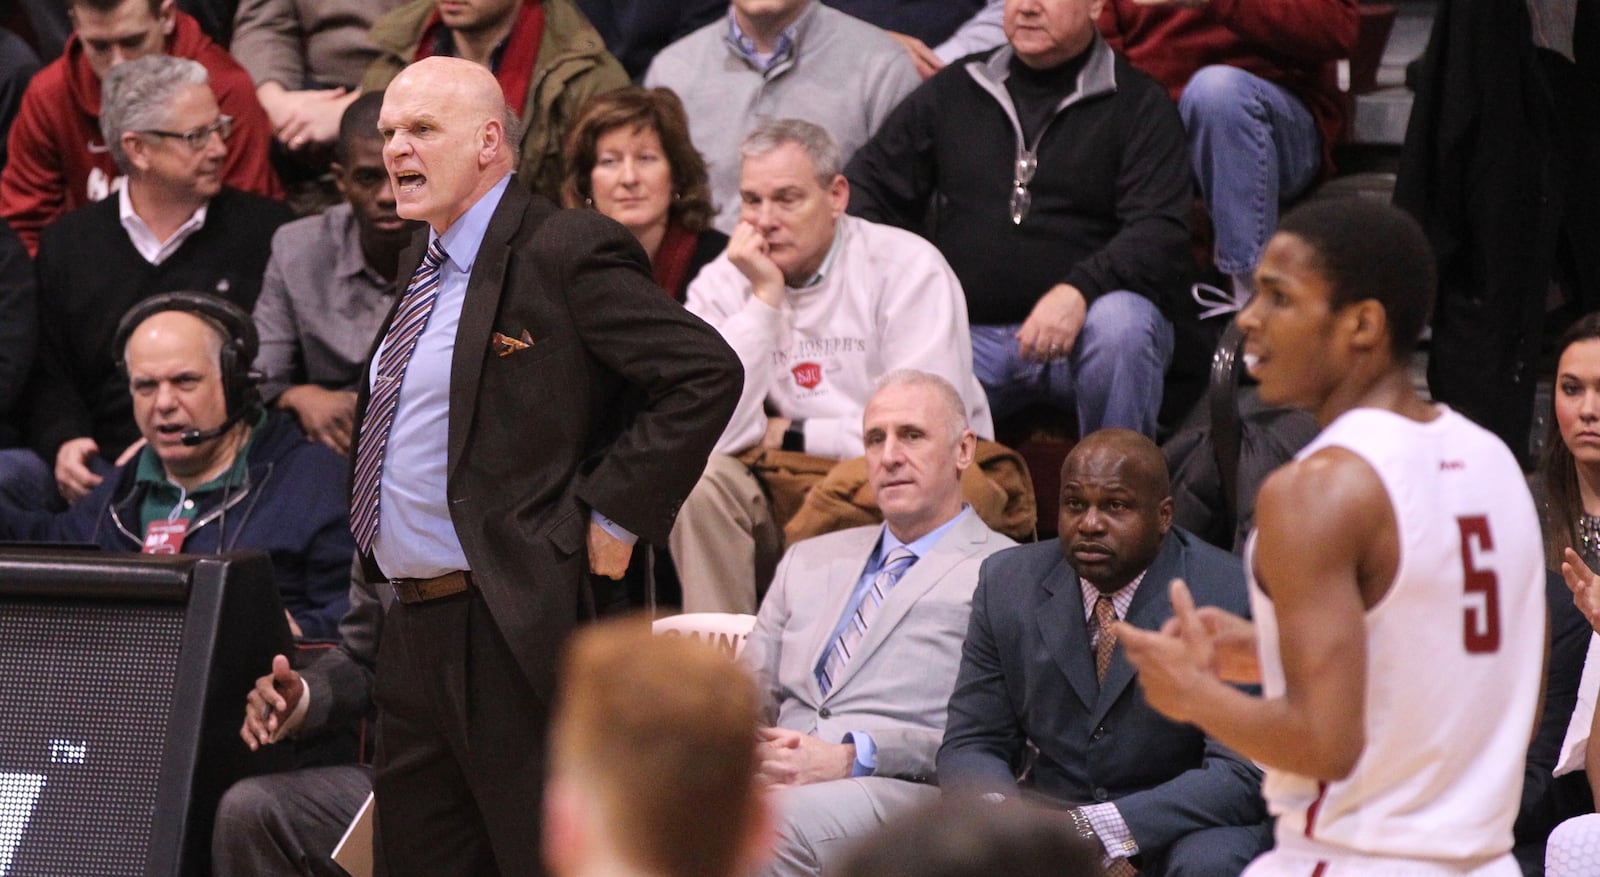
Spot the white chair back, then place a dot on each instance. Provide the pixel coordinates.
(723, 630)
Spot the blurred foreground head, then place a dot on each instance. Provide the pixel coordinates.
(966, 837)
(653, 759)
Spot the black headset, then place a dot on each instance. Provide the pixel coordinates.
(241, 396)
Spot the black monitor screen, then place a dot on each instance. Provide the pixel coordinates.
(85, 697)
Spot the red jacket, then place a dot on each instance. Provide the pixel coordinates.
(1293, 43)
(58, 161)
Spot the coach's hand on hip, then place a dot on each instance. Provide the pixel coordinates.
(608, 555)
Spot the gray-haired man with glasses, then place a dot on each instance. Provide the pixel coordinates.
(172, 226)
(1059, 186)
(199, 137)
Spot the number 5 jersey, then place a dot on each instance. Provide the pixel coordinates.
(1454, 652)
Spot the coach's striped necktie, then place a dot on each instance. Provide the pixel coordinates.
(867, 608)
(398, 344)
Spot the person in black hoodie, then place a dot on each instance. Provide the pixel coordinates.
(1058, 181)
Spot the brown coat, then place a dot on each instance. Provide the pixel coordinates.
(816, 495)
(573, 66)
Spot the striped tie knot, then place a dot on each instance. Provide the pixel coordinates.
(434, 257)
(896, 563)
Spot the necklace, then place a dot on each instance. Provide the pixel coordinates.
(1589, 537)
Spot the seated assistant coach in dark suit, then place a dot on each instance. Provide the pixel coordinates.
(534, 403)
(1035, 667)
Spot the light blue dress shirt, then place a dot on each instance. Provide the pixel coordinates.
(866, 747)
(416, 538)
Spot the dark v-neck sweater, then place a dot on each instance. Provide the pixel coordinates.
(90, 274)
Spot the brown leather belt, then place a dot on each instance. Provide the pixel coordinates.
(423, 590)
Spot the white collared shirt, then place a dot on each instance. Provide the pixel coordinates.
(153, 249)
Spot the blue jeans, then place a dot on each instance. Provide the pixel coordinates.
(28, 482)
(1111, 377)
(1254, 146)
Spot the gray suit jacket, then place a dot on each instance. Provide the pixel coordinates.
(897, 686)
(340, 680)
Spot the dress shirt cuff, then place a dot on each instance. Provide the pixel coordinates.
(1112, 829)
(613, 528)
(830, 437)
(288, 725)
(866, 753)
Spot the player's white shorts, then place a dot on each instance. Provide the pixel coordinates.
(1300, 860)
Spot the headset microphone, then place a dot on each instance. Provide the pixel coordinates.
(241, 398)
(192, 437)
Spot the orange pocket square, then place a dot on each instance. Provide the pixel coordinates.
(505, 345)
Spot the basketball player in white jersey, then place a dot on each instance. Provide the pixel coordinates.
(1396, 582)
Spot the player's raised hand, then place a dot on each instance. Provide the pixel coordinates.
(1585, 585)
(1234, 638)
(1174, 662)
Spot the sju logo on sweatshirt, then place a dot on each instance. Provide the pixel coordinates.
(807, 374)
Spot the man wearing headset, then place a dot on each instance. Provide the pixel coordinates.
(217, 471)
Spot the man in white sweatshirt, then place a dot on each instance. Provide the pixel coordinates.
(818, 305)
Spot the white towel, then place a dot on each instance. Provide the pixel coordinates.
(1577, 738)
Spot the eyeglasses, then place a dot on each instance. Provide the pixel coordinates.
(199, 138)
(1021, 198)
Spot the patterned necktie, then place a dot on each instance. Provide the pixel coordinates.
(867, 608)
(398, 344)
(1105, 641)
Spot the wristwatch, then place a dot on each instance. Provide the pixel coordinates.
(1082, 825)
(794, 438)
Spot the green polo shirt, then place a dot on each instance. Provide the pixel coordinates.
(166, 501)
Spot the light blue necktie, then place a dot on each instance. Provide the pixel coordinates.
(867, 608)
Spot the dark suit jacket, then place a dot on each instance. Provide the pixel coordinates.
(1027, 673)
(340, 679)
(614, 408)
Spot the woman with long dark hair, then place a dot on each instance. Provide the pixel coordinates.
(1569, 468)
(1568, 488)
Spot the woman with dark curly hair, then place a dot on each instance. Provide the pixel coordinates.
(629, 156)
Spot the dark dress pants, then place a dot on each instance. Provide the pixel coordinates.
(461, 735)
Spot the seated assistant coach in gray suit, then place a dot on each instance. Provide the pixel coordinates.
(856, 645)
(1036, 668)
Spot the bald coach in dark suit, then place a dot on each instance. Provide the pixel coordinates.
(552, 406)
